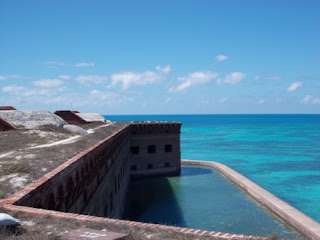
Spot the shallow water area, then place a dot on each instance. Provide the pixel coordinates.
(200, 198)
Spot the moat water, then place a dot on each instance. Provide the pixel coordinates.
(200, 198)
(281, 153)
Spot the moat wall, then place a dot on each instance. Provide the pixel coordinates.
(95, 181)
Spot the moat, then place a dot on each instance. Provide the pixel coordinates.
(201, 198)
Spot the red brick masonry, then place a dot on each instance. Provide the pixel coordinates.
(70, 117)
(5, 126)
(5, 108)
(301, 222)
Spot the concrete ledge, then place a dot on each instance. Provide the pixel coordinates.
(300, 221)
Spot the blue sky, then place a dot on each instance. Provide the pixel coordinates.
(161, 57)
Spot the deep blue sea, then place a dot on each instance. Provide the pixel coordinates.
(281, 153)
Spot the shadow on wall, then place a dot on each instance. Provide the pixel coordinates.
(153, 195)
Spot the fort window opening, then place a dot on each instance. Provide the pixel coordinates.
(133, 167)
(149, 166)
(167, 164)
(152, 149)
(168, 148)
(135, 150)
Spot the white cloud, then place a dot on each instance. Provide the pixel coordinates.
(13, 89)
(85, 79)
(260, 101)
(310, 99)
(222, 100)
(221, 58)
(193, 79)
(13, 76)
(97, 97)
(47, 83)
(166, 69)
(64, 76)
(316, 101)
(84, 64)
(54, 63)
(232, 78)
(274, 78)
(294, 86)
(306, 99)
(127, 79)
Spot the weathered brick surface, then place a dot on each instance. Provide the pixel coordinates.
(5, 108)
(71, 117)
(5, 126)
(157, 149)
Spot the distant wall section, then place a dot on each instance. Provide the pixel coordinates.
(155, 149)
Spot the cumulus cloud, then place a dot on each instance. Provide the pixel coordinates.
(294, 86)
(193, 79)
(87, 79)
(96, 97)
(54, 63)
(232, 78)
(128, 79)
(222, 100)
(84, 64)
(13, 89)
(20, 92)
(64, 76)
(13, 76)
(221, 58)
(306, 99)
(310, 99)
(48, 83)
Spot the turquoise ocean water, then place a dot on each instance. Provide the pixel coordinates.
(281, 153)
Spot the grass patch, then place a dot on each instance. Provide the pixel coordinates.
(22, 167)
